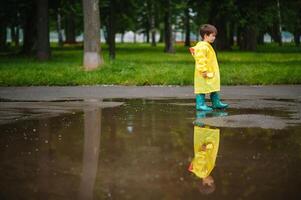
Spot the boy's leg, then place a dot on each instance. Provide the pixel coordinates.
(201, 104)
(216, 102)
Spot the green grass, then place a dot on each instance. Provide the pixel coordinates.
(140, 64)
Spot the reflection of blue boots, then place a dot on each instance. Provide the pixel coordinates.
(204, 114)
(219, 114)
(216, 102)
(201, 104)
(199, 116)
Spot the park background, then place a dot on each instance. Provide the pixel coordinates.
(146, 42)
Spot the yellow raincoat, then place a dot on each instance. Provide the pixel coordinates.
(206, 143)
(205, 60)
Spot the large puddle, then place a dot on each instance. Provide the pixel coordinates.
(148, 149)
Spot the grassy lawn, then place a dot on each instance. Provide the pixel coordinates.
(140, 64)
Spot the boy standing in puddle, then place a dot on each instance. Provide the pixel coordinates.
(206, 74)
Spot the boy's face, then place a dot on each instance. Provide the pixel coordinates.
(207, 185)
(210, 38)
(208, 181)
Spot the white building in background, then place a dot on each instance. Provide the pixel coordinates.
(130, 37)
(286, 37)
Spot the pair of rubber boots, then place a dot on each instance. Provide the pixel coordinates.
(215, 99)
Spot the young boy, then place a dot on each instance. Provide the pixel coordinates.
(206, 74)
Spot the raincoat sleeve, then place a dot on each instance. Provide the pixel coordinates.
(201, 58)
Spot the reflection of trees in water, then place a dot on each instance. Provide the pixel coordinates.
(45, 157)
(260, 163)
(151, 157)
(44, 160)
(54, 157)
(92, 130)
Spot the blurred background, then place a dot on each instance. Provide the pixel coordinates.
(131, 31)
(240, 22)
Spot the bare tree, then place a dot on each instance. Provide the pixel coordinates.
(111, 29)
(59, 27)
(70, 22)
(92, 50)
(29, 28)
(169, 46)
(43, 44)
(187, 26)
(152, 22)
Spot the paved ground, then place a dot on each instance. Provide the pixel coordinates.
(88, 92)
(252, 106)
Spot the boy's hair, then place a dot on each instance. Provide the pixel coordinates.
(206, 189)
(207, 29)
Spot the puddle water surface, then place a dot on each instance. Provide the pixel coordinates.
(148, 149)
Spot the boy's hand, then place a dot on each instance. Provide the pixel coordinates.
(191, 50)
(204, 74)
(207, 74)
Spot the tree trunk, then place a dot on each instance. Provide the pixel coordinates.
(297, 38)
(17, 44)
(70, 24)
(152, 23)
(12, 34)
(220, 20)
(239, 36)
(43, 44)
(231, 34)
(29, 31)
(275, 34)
(260, 38)
(169, 48)
(59, 28)
(154, 43)
(148, 24)
(161, 39)
(106, 34)
(2, 35)
(147, 35)
(279, 23)
(249, 38)
(70, 29)
(92, 50)
(135, 39)
(111, 30)
(198, 36)
(187, 27)
(17, 35)
(122, 37)
(222, 41)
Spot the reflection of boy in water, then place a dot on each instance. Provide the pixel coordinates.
(207, 186)
(206, 142)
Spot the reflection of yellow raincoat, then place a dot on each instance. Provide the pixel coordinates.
(205, 60)
(206, 142)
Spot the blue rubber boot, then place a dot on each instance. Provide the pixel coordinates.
(216, 101)
(201, 104)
